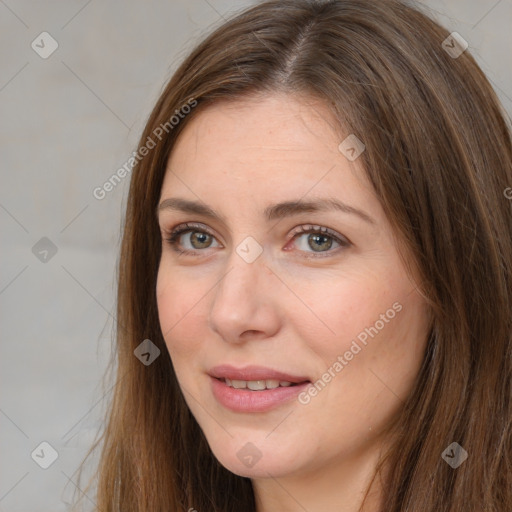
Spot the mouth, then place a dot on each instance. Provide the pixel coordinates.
(254, 388)
(255, 374)
(259, 385)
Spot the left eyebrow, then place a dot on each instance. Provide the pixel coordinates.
(289, 208)
(272, 212)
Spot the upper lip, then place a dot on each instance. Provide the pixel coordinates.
(226, 371)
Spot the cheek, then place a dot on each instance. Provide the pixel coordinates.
(341, 312)
(372, 321)
(382, 343)
(179, 311)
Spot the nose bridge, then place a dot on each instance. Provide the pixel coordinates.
(241, 300)
(239, 284)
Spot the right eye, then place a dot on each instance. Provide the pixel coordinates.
(200, 238)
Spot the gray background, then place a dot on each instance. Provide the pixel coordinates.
(68, 122)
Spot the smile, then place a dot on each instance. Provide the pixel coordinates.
(257, 385)
(255, 396)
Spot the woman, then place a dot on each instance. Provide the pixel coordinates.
(316, 272)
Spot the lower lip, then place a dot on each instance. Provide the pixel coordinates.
(244, 400)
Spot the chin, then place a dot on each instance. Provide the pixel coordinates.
(259, 470)
(246, 460)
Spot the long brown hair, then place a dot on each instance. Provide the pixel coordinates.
(438, 154)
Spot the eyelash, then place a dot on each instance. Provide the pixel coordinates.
(174, 235)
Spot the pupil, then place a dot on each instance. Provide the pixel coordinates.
(322, 240)
(201, 238)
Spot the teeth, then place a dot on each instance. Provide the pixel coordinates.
(238, 384)
(257, 385)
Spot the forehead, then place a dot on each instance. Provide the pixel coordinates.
(267, 147)
(259, 128)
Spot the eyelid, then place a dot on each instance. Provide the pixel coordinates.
(315, 228)
(185, 226)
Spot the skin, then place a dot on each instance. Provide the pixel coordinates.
(286, 311)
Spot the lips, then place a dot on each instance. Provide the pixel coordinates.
(254, 389)
(254, 373)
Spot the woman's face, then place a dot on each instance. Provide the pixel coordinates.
(272, 289)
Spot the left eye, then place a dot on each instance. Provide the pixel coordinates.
(318, 239)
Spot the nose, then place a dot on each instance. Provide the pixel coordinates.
(245, 303)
